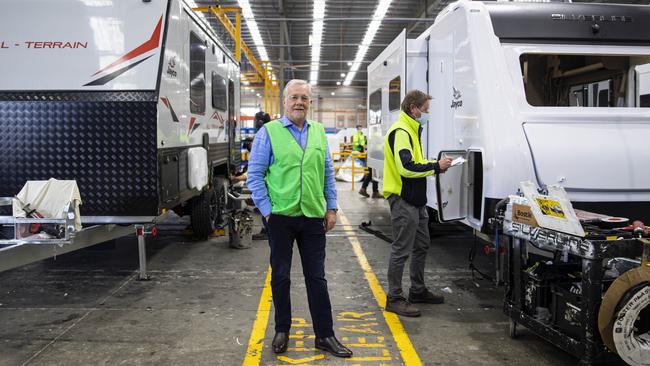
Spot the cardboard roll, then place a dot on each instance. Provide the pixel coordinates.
(626, 301)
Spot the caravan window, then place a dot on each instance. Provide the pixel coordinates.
(556, 80)
(219, 92)
(374, 108)
(197, 74)
(394, 94)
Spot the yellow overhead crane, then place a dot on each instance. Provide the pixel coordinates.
(262, 77)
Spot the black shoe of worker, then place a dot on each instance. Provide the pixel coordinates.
(402, 307)
(280, 342)
(363, 193)
(425, 297)
(376, 194)
(333, 346)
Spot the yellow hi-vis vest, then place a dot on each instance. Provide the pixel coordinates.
(409, 182)
(358, 141)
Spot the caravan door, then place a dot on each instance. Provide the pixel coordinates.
(386, 88)
(643, 85)
(451, 188)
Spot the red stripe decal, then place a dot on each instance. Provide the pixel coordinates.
(165, 101)
(147, 46)
(192, 120)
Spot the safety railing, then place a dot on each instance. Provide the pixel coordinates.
(343, 156)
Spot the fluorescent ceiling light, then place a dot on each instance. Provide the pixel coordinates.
(316, 39)
(247, 12)
(379, 15)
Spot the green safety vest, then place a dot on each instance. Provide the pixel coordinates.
(296, 178)
(358, 139)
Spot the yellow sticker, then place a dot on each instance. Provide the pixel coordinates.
(550, 208)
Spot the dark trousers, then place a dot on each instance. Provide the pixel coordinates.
(367, 179)
(309, 234)
(410, 238)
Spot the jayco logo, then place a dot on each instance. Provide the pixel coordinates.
(457, 102)
(170, 67)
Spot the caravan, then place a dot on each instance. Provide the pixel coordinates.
(138, 101)
(554, 93)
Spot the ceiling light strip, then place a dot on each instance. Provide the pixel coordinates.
(373, 27)
(317, 38)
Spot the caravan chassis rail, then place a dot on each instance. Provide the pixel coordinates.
(19, 252)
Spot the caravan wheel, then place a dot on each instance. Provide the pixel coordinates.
(220, 186)
(203, 214)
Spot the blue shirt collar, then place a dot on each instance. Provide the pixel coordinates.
(286, 122)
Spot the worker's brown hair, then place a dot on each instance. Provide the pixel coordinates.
(414, 97)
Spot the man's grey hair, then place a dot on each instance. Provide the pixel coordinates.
(296, 82)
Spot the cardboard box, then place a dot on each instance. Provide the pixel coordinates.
(523, 214)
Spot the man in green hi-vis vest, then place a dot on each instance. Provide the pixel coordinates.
(291, 177)
(405, 187)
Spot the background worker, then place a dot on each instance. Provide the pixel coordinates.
(359, 140)
(292, 181)
(405, 187)
(359, 144)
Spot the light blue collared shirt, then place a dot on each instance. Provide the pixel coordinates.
(262, 157)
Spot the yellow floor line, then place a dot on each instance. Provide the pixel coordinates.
(409, 355)
(256, 341)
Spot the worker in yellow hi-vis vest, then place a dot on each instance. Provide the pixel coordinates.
(359, 144)
(405, 188)
(359, 140)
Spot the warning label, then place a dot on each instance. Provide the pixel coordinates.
(550, 207)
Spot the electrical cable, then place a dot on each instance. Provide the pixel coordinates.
(472, 255)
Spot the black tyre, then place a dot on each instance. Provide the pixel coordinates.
(208, 208)
(220, 185)
(202, 219)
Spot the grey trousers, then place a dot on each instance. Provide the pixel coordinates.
(410, 238)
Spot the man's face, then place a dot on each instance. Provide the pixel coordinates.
(417, 112)
(296, 102)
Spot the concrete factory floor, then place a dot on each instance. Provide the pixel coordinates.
(201, 305)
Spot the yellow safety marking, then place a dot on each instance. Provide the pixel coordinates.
(295, 361)
(300, 344)
(351, 315)
(300, 336)
(256, 341)
(385, 357)
(365, 345)
(366, 328)
(362, 340)
(299, 322)
(407, 351)
(302, 349)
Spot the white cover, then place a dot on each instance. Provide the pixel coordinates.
(197, 161)
(567, 223)
(49, 197)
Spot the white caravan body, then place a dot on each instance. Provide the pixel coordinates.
(138, 101)
(526, 91)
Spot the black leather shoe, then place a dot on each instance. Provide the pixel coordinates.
(280, 342)
(333, 346)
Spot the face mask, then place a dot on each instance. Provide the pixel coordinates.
(423, 119)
